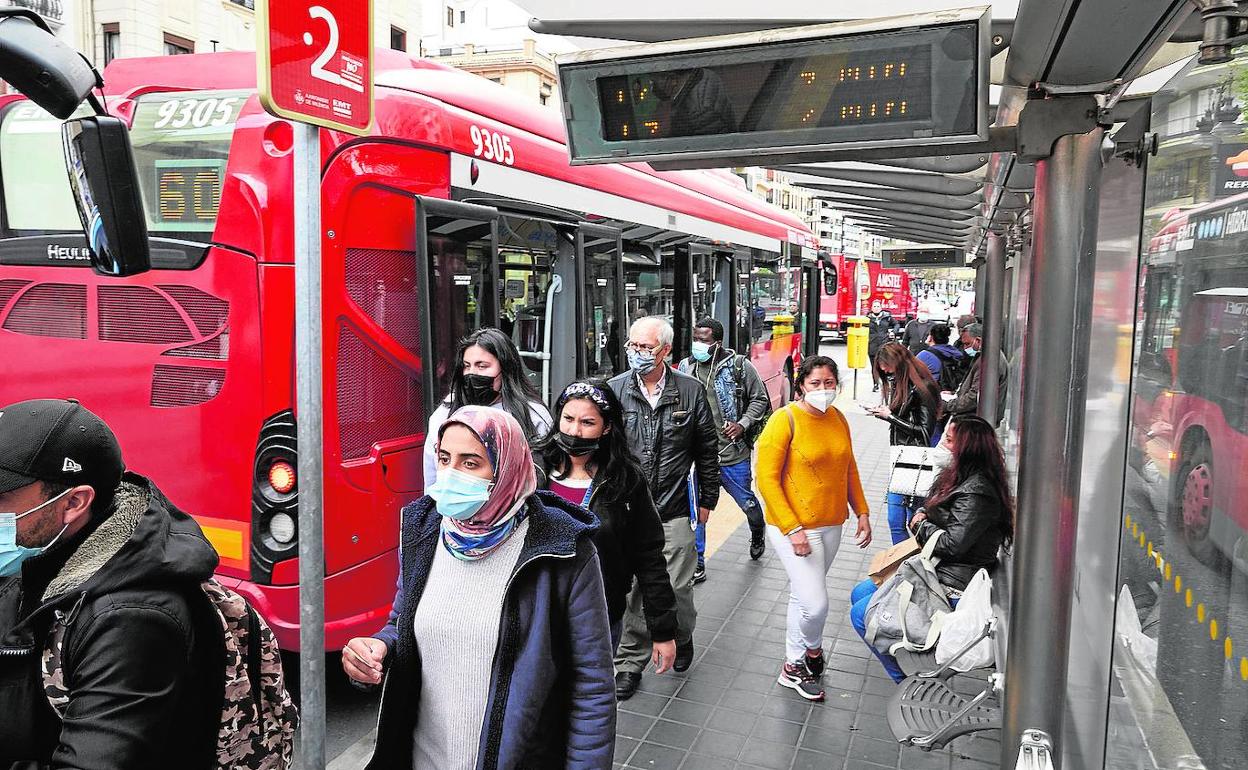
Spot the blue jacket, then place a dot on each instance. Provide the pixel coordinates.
(552, 696)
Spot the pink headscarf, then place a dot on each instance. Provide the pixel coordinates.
(515, 479)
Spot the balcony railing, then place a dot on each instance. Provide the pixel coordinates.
(50, 10)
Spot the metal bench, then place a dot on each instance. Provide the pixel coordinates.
(926, 711)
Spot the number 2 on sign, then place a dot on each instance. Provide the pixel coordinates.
(492, 146)
(331, 47)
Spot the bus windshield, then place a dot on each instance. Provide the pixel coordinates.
(181, 144)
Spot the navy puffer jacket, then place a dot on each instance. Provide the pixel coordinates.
(552, 697)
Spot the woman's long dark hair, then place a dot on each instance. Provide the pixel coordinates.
(910, 372)
(976, 450)
(517, 392)
(617, 471)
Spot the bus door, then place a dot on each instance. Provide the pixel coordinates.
(600, 298)
(458, 278)
(723, 299)
(742, 336)
(810, 308)
(529, 289)
(648, 284)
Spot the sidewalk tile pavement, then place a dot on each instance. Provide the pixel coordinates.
(727, 711)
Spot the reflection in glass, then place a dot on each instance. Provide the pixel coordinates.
(1181, 633)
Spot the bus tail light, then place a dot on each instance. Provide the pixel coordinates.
(282, 477)
(274, 497)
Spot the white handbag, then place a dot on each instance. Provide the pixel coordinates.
(915, 469)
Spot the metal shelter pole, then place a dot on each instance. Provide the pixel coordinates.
(307, 159)
(1055, 372)
(993, 271)
(980, 274)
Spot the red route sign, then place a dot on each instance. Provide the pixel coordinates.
(315, 60)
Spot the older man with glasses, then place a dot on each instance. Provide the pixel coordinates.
(670, 429)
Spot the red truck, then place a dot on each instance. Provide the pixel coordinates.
(860, 282)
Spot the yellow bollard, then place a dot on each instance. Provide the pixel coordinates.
(856, 342)
(781, 325)
(856, 346)
(1122, 359)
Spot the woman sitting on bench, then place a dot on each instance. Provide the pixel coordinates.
(971, 503)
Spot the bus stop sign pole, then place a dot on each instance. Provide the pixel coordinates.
(314, 68)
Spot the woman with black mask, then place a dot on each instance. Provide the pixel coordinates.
(488, 372)
(586, 461)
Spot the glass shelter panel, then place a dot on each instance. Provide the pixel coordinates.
(1181, 622)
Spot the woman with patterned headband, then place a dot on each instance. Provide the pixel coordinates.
(586, 460)
(497, 651)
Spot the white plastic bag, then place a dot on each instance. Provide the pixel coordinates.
(967, 622)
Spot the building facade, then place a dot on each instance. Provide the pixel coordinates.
(491, 38)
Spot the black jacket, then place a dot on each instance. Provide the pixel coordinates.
(914, 424)
(552, 696)
(668, 440)
(143, 655)
(630, 541)
(971, 520)
(916, 334)
(878, 332)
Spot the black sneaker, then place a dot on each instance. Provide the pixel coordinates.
(684, 657)
(699, 574)
(626, 683)
(758, 545)
(799, 679)
(815, 665)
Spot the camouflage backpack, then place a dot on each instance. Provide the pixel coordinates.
(258, 718)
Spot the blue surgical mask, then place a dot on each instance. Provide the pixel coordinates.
(641, 363)
(972, 352)
(459, 495)
(11, 554)
(701, 351)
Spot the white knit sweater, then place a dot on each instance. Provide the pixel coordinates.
(457, 623)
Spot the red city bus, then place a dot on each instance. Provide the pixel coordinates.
(1191, 402)
(459, 211)
(861, 283)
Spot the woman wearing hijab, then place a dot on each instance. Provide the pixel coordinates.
(497, 652)
(488, 371)
(586, 461)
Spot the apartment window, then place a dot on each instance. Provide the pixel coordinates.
(176, 45)
(112, 41)
(543, 98)
(398, 39)
(463, 17)
(248, 4)
(450, 16)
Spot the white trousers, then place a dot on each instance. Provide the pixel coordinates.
(808, 589)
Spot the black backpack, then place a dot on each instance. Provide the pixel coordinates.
(952, 370)
(738, 377)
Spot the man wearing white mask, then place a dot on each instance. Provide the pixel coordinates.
(808, 480)
(740, 406)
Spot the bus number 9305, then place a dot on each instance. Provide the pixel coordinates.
(492, 145)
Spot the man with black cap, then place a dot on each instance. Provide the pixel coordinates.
(108, 658)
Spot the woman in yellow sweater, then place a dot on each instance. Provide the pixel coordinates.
(808, 480)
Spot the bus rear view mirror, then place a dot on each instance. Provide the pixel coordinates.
(44, 69)
(105, 184)
(829, 279)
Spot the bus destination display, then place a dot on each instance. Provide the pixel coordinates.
(918, 79)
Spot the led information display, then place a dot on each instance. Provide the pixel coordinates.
(189, 192)
(904, 80)
(863, 88)
(922, 256)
